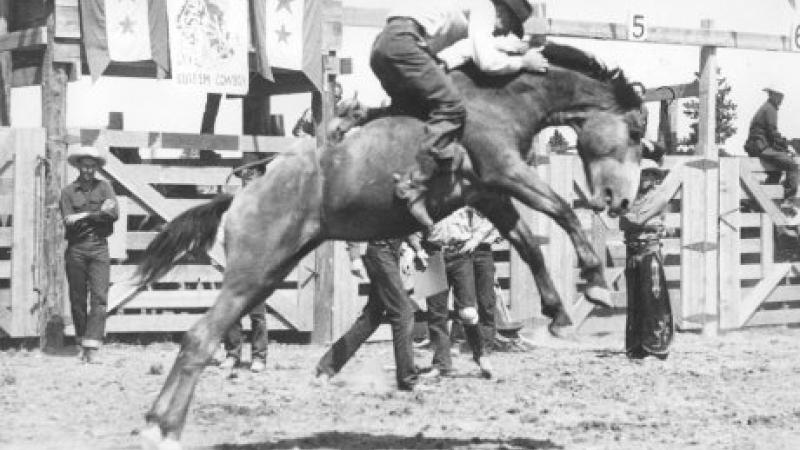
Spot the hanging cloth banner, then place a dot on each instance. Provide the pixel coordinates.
(124, 31)
(292, 37)
(208, 43)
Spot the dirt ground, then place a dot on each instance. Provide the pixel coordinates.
(738, 391)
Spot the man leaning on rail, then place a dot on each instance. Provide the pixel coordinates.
(89, 209)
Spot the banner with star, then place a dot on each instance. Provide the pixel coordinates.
(208, 43)
(291, 37)
(124, 31)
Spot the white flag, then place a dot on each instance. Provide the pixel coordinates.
(128, 30)
(284, 23)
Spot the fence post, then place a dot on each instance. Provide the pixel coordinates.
(525, 301)
(707, 147)
(730, 291)
(54, 117)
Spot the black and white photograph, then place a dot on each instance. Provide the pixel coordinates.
(399, 224)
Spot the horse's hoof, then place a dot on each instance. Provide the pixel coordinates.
(599, 296)
(561, 332)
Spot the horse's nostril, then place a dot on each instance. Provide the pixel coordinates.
(609, 195)
(624, 204)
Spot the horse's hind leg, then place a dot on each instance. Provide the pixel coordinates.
(522, 182)
(257, 265)
(505, 217)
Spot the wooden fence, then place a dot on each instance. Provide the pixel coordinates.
(756, 271)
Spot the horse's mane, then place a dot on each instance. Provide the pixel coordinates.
(576, 60)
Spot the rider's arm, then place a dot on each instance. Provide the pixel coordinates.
(485, 52)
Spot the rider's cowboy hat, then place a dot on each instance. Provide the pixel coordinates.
(75, 156)
(522, 9)
(648, 165)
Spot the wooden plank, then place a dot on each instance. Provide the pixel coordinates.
(693, 276)
(68, 20)
(164, 323)
(756, 296)
(179, 205)
(23, 39)
(673, 92)
(347, 303)
(118, 171)
(376, 17)
(767, 241)
(6, 312)
(197, 298)
(6, 68)
(775, 317)
(561, 252)
(523, 294)
(707, 147)
(781, 294)
(171, 175)
(763, 200)
(154, 140)
(5, 237)
(730, 292)
(29, 145)
(758, 165)
(117, 242)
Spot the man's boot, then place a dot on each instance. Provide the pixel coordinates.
(412, 188)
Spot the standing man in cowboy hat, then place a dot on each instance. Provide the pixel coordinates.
(89, 209)
(764, 141)
(252, 167)
(649, 326)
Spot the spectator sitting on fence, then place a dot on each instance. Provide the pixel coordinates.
(233, 339)
(387, 297)
(649, 326)
(764, 141)
(89, 208)
(464, 239)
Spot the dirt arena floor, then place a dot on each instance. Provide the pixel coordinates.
(738, 391)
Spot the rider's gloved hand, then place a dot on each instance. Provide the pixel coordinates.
(534, 61)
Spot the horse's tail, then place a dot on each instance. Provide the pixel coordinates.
(193, 230)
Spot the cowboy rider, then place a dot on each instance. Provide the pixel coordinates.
(421, 41)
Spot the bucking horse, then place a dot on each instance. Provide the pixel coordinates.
(345, 191)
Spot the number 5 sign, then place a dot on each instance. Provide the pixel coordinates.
(637, 27)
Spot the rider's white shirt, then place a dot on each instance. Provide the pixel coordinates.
(459, 31)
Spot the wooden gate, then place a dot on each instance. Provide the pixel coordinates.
(154, 189)
(21, 209)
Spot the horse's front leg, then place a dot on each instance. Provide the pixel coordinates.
(523, 183)
(506, 218)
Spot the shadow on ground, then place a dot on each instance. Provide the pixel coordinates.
(366, 441)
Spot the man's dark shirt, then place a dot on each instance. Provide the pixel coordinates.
(765, 124)
(78, 197)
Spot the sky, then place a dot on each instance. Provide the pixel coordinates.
(156, 106)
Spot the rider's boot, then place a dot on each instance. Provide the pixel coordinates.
(413, 187)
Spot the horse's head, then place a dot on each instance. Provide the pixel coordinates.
(604, 109)
(609, 144)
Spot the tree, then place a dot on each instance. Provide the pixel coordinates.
(557, 143)
(726, 113)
